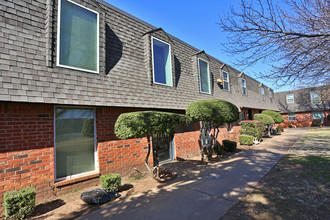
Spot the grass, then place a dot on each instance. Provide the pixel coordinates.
(298, 187)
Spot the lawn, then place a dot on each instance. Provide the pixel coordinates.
(298, 187)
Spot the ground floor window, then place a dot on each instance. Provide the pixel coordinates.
(164, 145)
(318, 115)
(292, 116)
(74, 141)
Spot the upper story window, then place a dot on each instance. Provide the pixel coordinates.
(263, 93)
(290, 98)
(204, 76)
(225, 78)
(78, 37)
(270, 96)
(162, 66)
(244, 92)
(315, 98)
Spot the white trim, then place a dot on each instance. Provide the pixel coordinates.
(290, 99)
(270, 96)
(226, 81)
(153, 65)
(292, 116)
(96, 162)
(58, 41)
(208, 76)
(262, 90)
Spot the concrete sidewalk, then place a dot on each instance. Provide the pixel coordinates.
(206, 193)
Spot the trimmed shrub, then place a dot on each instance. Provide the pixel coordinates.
(253, 128)
(277, 117)
(88, 128)
(279, 129)
(19, 204)
(265, 119)
(290, 126)
(316, 122)
(218, 149)
(246, 139)
(229, 145)
(111, 182)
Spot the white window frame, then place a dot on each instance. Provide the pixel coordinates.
(270, 96)
(318, 95)
(96, 162)
(153, 65)
(208, 76)
(59, 40)
(244, 87)
(290, 99)
(292, 113)
(263, 93)
(226, 81)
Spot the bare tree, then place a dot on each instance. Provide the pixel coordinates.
(292, 36)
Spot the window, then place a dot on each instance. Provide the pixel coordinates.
(315, 98)
(244, 87)
(292, 116)
(74, 142)
(263, 93)
(78, 37)
(204, 76)
(318, 115)
(271, 96)
(162, 67)
(243, 116)
(290, 98)
(225, 78)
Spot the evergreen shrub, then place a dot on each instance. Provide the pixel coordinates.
(277, 117)
(253, 128)
(229, 145)
(246, 139)
(111, 182)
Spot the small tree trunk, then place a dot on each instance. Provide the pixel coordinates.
(148, 154)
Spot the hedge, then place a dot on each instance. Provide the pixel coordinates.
(277, 117)
(111, 182)
(265, 119)
(246, 139)
(316, 122)
(253, 128)
(229, 145)
(19, 204)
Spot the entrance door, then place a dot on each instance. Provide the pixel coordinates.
(75, 149)
(250, 114)
(164, 144)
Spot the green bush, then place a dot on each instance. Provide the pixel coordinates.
(265, 119)
(229, 145)
(279, 129)
(88, 128)
(246, 139)
(111, 182)
(290, 126)
(253, 128)
(218, 149)
(19, 204)
(277, 117)
(316, 122)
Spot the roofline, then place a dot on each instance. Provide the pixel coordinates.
(314, 87)
(175, 38)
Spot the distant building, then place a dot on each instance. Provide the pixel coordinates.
(300, 107)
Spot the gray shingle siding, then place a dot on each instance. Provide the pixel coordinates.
(302, 100)
(28, 71)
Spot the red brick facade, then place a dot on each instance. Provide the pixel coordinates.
(304, 119)
(27, 148)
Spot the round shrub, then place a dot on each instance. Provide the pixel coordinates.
(277, 117)
(253, 128)
(246, 139)
(265, 119)
(111, 182)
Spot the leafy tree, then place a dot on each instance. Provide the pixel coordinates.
(146, 123)
(292, 36)
(213, 111)
(277, 117)
(265, 119)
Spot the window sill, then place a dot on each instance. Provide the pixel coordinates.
(76, 180)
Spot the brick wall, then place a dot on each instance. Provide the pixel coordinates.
(303, 119)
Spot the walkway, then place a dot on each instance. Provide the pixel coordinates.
(206, 193)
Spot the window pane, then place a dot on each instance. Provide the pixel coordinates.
(315, 98)
(78, 37)
(74, 141)
(318, 115)
(292, 116)
(204, 76)
(290, 98)
(162, 63)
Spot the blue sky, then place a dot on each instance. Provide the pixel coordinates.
(194, 22)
